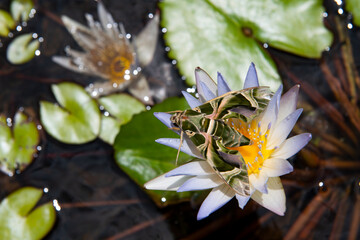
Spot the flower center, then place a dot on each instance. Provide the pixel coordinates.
(255, 153)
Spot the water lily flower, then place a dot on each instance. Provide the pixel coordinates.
(110, 55)
(265, 156)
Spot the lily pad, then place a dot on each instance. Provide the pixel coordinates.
(17, 145)
(110, 127)
(353, 6)
(121, 108)
(224, 35)
(76, 120)
(22, 49)
(19, 219)
(20, 9)
(137, 153)
(6, 23)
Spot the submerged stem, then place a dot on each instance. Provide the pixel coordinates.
(346, 52)
(305, 215)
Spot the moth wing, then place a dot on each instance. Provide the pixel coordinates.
(234, 174)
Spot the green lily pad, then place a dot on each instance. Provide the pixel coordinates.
(17, 146)
(76, 120)
(137, 153)
(22, 49)
(224, 35)
(20, 221)
(353, 6)
(6, 23)
(20, 9)
(121, 108)
(109, 129)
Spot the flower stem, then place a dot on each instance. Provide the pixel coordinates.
(346, 51)
(354, 228)
(327, 107)
(307, 214)
(315, 219)
(351, 109)
(340, 218)
(99, 203)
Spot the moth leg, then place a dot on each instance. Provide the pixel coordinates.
(178, 153)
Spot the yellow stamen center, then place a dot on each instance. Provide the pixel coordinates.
(255, 153)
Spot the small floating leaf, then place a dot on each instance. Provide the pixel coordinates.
(353, 6)
(110, 127)
(6, 23)
(224, 35)
(137, 153)
(17, 146)
(20, 221)
(76, 120)
(21, 50)
(20, 9)
(121, 107)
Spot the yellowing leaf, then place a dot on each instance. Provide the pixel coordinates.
(17, 145)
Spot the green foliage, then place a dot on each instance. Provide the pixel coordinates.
(76, 120)
(137, 153)
(20, 9)
(22, 49)
(224, 35)
(20, 221)
(353, 6)
(6, 23)
(121, 108)
(17, 145)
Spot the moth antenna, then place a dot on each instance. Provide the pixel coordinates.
(176, 111)
(178, 153)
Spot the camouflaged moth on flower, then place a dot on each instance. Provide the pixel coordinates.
(263, 156)
(110, 55)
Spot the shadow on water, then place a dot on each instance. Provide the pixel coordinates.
(99, 201)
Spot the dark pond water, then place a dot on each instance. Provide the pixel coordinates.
(99, 201)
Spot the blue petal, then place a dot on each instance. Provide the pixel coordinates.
(251, 79)
(200, 183)
(223, 87)
(202, 76)
(208, 95)
(195, 168)
(291, 146)
(164, 118)
(269, 116)
(217, 198)
(282, 130)
(242, 200)
(187, 146)
(193, 102)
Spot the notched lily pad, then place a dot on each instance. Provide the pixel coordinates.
(76, 120)
(7, 23)
(224, 35)
(17, 144)
(353, 6)
(119, 109)
(22, 49)
(20, 9)
(19, 220)
(137, 153)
